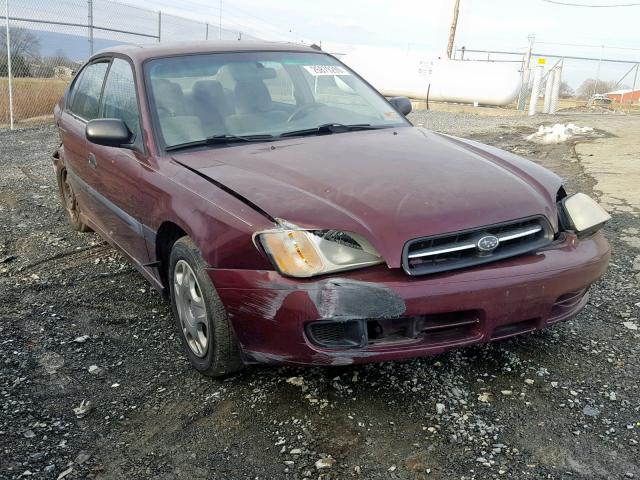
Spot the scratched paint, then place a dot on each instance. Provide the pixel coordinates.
(265, 302)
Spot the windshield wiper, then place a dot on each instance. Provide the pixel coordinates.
(333, 128)
(220, 139)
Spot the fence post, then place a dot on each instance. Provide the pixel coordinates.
(548, 89)
(535, 90)
(159, 25)
(526, 71)
(555, 91)
(635, 78)
(90, 24)
(9, 69)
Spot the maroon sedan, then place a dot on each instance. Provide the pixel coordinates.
(294, 215)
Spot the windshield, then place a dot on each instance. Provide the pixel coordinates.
(260, 96)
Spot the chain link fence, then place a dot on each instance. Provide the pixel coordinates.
(590, 82)
(43, 44)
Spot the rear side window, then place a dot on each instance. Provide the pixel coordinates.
(86, 95)
(119, 97)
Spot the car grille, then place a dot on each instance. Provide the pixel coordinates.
(475, 246)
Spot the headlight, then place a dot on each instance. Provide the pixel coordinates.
(582, 213)
(305, 253)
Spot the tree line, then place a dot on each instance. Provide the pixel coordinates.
(26, 60)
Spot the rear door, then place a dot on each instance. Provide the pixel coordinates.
(118, 169)
(83, 104)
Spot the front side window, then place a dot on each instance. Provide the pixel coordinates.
(87, 90)
(259, 94)
(119, 97)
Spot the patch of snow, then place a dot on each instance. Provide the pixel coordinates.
(558, 133)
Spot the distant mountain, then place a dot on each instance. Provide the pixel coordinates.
(75, 47)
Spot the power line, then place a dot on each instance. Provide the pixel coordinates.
(235, 18)
(587, 5)
(588, 45)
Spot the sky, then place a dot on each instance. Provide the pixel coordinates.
(423, 25)
(483, 24)
(415, 26)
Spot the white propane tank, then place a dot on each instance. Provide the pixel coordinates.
(418, 76)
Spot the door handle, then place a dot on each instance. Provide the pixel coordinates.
(93, 163)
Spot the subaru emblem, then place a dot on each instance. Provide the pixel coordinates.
(488, 243)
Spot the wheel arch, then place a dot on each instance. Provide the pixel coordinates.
(168, 233)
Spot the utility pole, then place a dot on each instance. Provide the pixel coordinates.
(454, 25)
(595, 87)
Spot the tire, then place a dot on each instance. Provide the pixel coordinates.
(201, 319)
(70, 203)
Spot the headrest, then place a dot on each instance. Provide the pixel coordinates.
(186, 66)
(212, 88)
(252, 96)
(250, 71)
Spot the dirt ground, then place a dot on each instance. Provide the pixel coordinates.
(81, 329)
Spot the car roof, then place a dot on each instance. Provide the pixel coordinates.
(154, 50)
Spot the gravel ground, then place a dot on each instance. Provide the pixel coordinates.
(93, 383)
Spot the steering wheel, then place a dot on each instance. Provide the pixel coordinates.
(303, 110)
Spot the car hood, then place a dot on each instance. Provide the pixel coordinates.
(389, 185)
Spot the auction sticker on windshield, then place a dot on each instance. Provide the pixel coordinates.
(320, 70)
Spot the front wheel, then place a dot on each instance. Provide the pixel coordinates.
(70, 203)
(206, 334)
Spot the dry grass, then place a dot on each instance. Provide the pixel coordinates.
(32, 97)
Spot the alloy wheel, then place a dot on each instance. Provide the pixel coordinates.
(191, 307)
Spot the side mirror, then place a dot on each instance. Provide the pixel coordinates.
(111, 132)
(402, 104)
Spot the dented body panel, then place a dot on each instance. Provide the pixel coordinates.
(269, 312)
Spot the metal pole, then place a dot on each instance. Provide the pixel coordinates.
(535, 90)
(548, 89)
(526, 73)
(635, 77)
(555, 91)
(220, 21)
(206, 32)
(159, 25)
(9, 69)
(595, 87)
(454, 25)
(90, 24)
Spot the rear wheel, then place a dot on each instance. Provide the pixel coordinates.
(205, 331)
(70, 203)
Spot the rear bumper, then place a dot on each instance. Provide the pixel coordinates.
(270, 313)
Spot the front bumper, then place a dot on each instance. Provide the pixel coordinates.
(270, 313)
